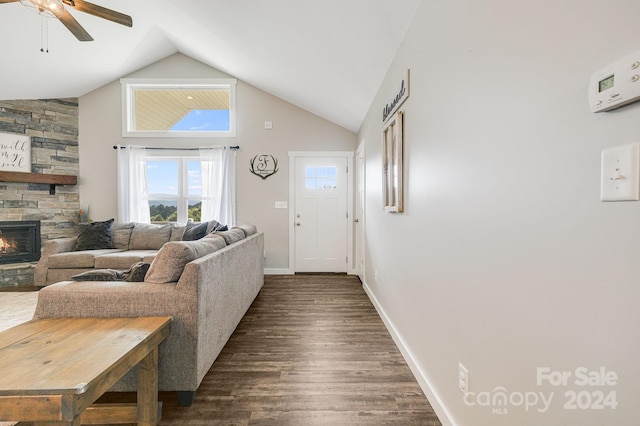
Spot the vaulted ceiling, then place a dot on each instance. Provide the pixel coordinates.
(326, 56)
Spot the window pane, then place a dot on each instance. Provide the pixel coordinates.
(162, 178)
(310, 183)
(204, 119)
(194, 178)
(163, 210)
(184, 109)
(321, 178)
(195, 210)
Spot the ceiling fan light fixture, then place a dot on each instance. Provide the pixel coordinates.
(46, 8)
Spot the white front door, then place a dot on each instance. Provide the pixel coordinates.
(320, 214)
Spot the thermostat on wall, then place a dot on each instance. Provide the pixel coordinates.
(616, 85)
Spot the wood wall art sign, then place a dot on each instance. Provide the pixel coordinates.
(264, 165)
(15, 153)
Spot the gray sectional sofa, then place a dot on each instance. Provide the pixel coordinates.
(205, 285)
(130, 243)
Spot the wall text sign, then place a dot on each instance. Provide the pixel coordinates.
(15, 153)
(400, 95)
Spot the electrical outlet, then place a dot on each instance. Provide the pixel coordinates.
(463, 378)
(375, 275)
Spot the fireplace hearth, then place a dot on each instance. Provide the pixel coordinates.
(19, 241)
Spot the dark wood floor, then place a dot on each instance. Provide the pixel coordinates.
(311, 350)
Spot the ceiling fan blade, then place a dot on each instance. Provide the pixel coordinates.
(72, 25)
(101, 12)
(9, 1)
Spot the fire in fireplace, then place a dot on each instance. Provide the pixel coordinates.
(19, 241)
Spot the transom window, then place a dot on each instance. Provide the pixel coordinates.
(183, 108)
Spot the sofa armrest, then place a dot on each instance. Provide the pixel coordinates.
(49, 247)
(109, 299)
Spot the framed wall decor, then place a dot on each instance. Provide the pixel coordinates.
(392, 141)
(15, 153)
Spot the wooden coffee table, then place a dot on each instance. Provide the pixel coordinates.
(53, 370)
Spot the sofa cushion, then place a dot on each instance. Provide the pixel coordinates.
(176, 232)
(121, 235)
(174, 255)
(231, 236)
(194, 231)
(146, 236)
(123, 259)
(95, 235)
(248, 229)
(77, 259)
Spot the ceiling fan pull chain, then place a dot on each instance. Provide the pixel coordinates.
(44, 34)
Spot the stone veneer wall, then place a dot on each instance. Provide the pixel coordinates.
(53, 127)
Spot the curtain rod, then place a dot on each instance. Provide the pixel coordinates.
(177, 149)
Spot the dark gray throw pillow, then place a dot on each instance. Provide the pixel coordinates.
(99, 275)
(137, 272)
(194, 231)
(95, 235)
(214, 225)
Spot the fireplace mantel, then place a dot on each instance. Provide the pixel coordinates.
(50, 179)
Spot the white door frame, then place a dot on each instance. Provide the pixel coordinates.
(360, 152)
(292, 202)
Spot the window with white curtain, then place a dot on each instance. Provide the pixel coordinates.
(168, 185)
(174, 189)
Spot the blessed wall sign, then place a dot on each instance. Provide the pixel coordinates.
(15, 153)
(399, 96)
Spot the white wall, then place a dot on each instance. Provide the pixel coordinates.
(293, 130)
(505, 259)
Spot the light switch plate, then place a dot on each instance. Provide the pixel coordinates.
(620, 173)
(281, 205)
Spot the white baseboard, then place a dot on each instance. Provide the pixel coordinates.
(425, 384)
(278, 271)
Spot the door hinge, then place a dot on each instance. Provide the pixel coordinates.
(347, 169)
(347, 213)
(347, 259)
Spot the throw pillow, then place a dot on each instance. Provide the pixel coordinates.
(95, 236)
(214, 225)
(137, 272)
(99, 275)
(194, 231)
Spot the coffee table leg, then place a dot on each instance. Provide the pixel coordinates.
(148, 389)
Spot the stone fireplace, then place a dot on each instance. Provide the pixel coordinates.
(52, 125)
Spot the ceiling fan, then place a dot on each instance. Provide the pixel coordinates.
(56, 9)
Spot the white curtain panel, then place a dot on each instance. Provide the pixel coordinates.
(218, 168)
(133, 202)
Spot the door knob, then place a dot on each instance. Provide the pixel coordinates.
(356, 220)
(298, 215)
(297, 223)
